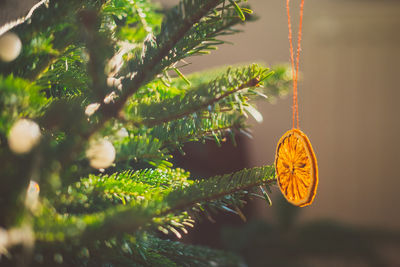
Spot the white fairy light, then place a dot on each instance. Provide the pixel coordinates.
(110, 98)
(113, 82)
(122, 133)
(10, 46)
(23, 136)
(101, 154)
(91, 109)
(32, 195)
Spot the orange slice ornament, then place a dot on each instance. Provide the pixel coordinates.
(296, 168)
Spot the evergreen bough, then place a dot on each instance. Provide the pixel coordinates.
(125, 58)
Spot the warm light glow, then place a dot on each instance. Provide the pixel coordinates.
(122, 133)
(101, 154)
(23, 136)
(91, 109)
(110, 98)
(113, 82)
(10, 46)
(32, 195)
(33, 188)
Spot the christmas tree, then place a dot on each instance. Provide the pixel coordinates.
(93, 102)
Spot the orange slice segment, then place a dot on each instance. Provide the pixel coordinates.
(296, 168)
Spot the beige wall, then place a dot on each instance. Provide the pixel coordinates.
(351, 91)
(348, 101)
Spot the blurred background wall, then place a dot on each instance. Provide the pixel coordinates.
(348, 101)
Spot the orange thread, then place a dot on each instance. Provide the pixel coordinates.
(295, 70)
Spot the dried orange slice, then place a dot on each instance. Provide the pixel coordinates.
(296, 168)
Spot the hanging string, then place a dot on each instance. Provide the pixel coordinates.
(295, 69)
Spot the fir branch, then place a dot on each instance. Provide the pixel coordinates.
(101, 211)
(191, 255)
(219, 186)
(19, 98)
(190, 12)
(179, 21)
(67, 76)
(194, 128)
(142, 76)
(44, 63)
(152, 122)
(141, 249)
(130, 218)
(51, 30)
(225, 91)
(99, 192)
(141, 147)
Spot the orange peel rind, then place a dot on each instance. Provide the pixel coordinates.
(296, 168)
